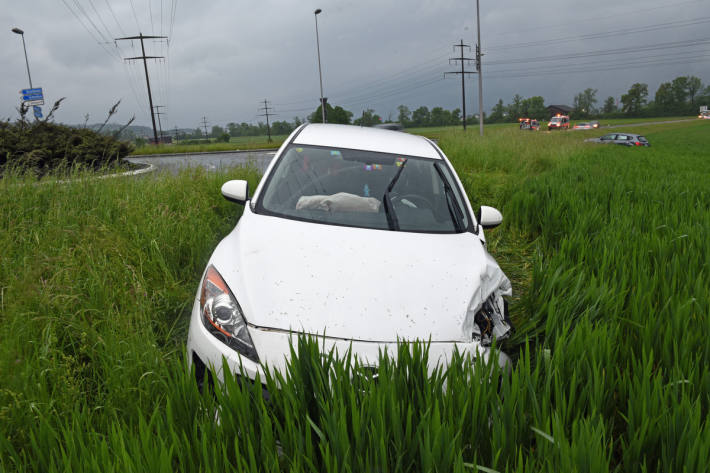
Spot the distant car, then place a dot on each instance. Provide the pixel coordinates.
(624, 139)
(594, 123)
(389, 126)
(558, 122)
(583, 126)
(360, 236)
(529, 124)
(704, 115)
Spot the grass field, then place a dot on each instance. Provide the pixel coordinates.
(607, 248)
(261, 142)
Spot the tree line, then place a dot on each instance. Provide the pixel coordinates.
(681, 96)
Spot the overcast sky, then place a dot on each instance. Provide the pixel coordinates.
(225, 56)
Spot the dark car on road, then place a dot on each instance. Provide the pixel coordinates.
(624, 139)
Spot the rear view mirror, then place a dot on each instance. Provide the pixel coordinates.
(489, 217)
(236, 191)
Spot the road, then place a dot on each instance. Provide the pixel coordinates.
(626, 125)
(210, 161)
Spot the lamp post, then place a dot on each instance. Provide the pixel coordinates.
(22, 33)
(320, 74)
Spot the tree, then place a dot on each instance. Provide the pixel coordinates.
(233, 129)
(439, 117)
(694, 85)
(332, 115)
(339, 115)
(497, 113)
(665, 98)
(679, 86)
(584, 103)
(515, 108)
(404, 115)
(609, 105)
(281, 128)
(368, 118)
(420, 117)
(534, 107)
(455, 117)
(217, 131)
(635, 99)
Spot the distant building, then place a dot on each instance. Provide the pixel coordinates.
(559, 109)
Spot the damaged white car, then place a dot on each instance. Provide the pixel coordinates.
(363, 237)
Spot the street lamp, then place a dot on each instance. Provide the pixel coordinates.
(320, 74)
(22, 33)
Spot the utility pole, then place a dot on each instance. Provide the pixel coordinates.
(478, 69)
(266, 114)
(145, 66)
(463, 73)
(160, 126)
(204, 124)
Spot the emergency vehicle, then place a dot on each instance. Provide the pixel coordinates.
(529, 124)
(559, 122)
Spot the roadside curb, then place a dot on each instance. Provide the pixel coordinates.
(239, 151)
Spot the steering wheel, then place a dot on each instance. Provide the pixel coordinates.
(419, 201)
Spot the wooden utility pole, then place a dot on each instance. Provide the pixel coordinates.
(266, 114)
(160, 126)
(204, 124)
(463, 73)
(478, 69)
(145, 66)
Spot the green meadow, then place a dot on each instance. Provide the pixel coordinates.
(608, 249)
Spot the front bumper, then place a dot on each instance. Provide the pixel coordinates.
(274, 348)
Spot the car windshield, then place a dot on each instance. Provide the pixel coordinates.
(364, 189)
(556, 119)
(642, 139)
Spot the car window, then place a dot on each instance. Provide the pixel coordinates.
(608, 137)
(621, 137)
(347, 187)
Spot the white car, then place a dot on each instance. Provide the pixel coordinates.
(360, 236)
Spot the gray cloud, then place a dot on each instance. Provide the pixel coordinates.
(226, 56)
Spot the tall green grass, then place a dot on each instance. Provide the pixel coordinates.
(608, 249)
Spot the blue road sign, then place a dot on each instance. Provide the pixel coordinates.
(27, 98)
(38, 111)
(35, 91)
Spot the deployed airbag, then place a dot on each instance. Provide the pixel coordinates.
(340, 202)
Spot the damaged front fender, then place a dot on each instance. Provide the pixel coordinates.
(487, 315)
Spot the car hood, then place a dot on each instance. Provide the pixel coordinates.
(360, 284)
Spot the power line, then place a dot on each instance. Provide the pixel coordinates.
(607, 34)
(617, 14)
(603, 52)
(120, 28)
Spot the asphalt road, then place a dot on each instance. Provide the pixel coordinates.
(627, 125)
(210, 161)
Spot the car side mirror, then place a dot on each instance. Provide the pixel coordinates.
(236, 191)
(489, 217)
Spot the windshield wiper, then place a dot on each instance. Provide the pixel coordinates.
(387, 202)
(451, 202)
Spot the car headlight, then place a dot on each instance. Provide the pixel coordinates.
(222, 316)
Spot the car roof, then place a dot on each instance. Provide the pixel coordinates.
(365, 138)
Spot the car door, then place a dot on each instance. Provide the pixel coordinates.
(622, 140)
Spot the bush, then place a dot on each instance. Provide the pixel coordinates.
(43, 146)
